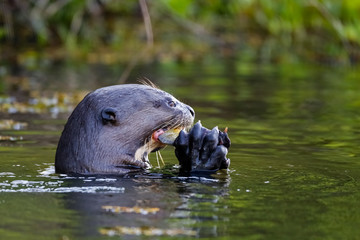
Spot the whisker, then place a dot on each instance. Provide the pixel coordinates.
(157, 158)
(162, 160)
(147, 82)
(166, 123)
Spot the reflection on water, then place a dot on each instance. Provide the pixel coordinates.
(151, 204)
(294, 172)
(53, 183)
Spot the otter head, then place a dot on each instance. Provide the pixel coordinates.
(116, 127)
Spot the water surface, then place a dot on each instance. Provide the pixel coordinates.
(294, 160)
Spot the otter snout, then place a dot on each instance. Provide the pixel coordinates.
(191, 110)
(188, 115)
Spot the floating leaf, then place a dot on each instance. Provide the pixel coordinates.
(169, 136)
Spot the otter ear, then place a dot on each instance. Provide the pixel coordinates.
(108, 115)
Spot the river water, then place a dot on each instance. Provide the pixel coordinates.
(294, 171)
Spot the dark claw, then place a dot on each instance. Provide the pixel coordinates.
(202, 149)
(224, 139)
(182, 140)
(210, 142)
(218, 158)
(195, 141)
(195, 136)
(182, 150)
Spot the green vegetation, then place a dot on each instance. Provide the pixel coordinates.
(170, 30)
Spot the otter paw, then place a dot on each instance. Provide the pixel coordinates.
(202, 150)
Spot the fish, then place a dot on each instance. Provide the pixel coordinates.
(169, 136)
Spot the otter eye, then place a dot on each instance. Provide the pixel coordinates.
(172, 104)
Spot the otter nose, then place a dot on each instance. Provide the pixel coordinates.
(192, 112)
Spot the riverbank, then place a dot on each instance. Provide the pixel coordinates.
(324, 32)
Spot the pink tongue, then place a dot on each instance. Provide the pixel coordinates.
(156, 134)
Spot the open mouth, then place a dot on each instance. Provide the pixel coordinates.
(158, 140)
(167, 134)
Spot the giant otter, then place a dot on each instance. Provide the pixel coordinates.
(113, 129)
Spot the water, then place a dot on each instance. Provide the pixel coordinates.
(294, 172)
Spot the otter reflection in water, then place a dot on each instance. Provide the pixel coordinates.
(113, 129)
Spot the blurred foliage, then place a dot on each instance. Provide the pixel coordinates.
(36, 102)
(108, 30)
